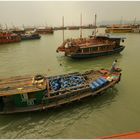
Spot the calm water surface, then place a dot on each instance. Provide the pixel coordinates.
(116, 111)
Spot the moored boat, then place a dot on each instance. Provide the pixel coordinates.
(92, 46)
(7, 37)
(28, 93)
(123, 28)
(30, 36)
(45, 30)
(119, 29)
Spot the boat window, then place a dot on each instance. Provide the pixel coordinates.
(94, 49)
(86, 50)
(104, 48)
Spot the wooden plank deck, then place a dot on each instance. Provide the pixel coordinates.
(18, 85)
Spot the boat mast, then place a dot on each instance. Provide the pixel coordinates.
(95, 25)
(6, 27)
(134, 21)
(121, 21)
(63, 27)
(0, 28)
(81, 26)
(23, 26)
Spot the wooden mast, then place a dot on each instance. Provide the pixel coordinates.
(6, 27)
(134, 21)
(81, 26)
(121, 21)
(63, 27)
(95, 25)
(0, 28)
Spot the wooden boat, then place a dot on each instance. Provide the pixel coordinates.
(28, 93)
(136, 28)
(123, 28)
(30, 36)
(119, 28)
(45, 30)
(7, 37)
(93, 46)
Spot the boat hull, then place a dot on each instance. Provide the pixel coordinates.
(30, 38)
(109, 30)
(80, 56)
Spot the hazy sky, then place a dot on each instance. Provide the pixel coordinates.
(51, 12)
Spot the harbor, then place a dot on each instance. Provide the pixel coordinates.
(24, 58)
(70, 80)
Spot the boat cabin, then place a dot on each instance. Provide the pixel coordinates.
(95, 48)
(116, 39)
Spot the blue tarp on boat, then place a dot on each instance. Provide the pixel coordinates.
(66, 82)
(100, 82)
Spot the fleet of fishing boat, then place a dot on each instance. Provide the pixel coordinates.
(41, 92)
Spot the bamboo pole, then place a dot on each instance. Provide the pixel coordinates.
(95, 24)
(81, 25)
(63, 27)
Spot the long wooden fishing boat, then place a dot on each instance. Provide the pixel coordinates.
(34, 93)
(92, 46)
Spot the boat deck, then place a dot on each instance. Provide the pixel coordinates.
(18, 85)
(88, 78)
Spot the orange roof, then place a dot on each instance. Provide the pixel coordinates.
(131, 135)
